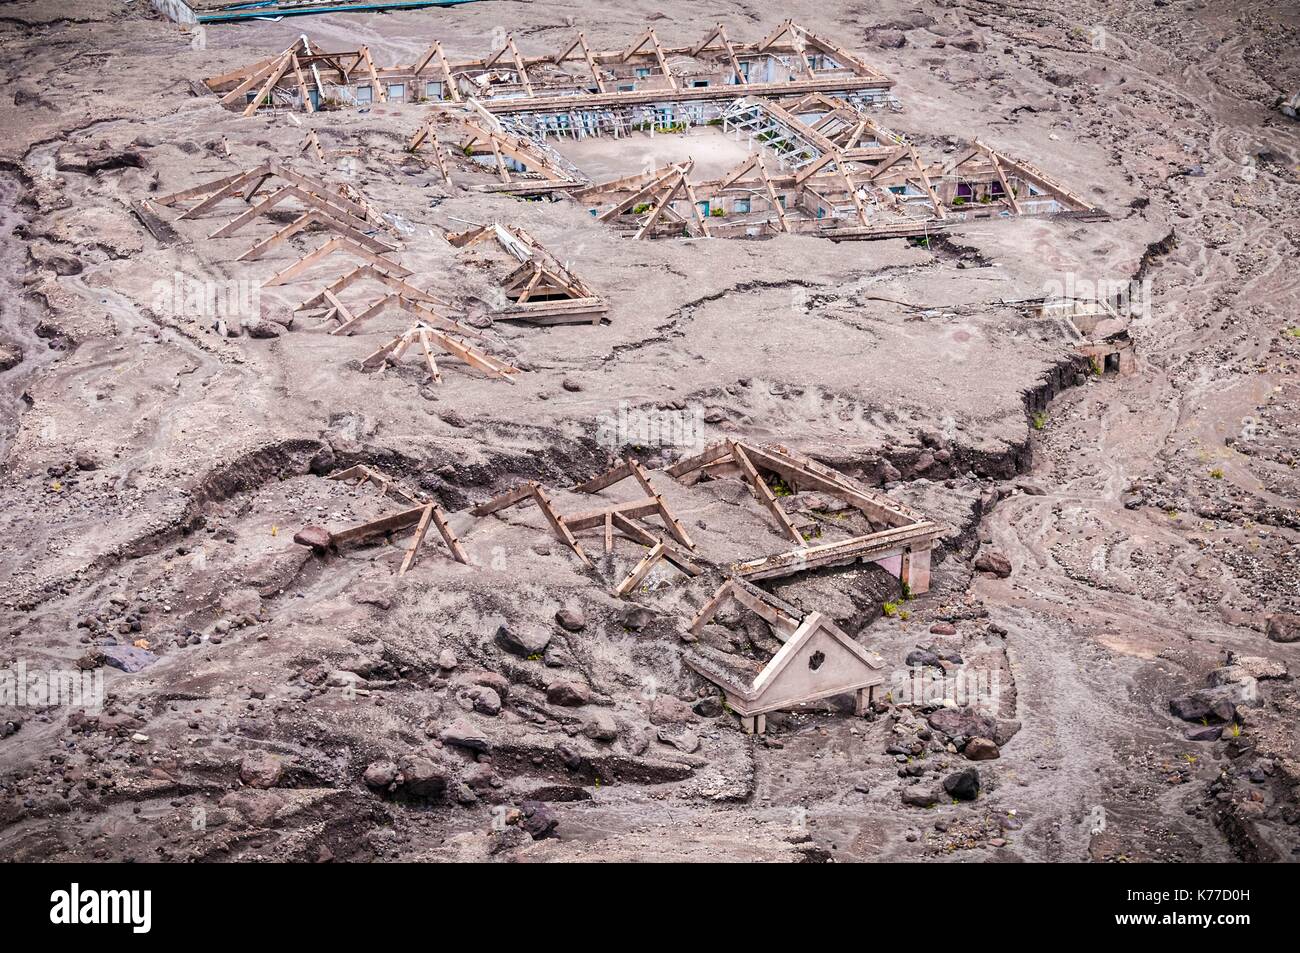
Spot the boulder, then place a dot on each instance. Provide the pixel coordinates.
(922, 657)
(1284, 627)
(479, 698)
(993, 562)
(980, 749)
(527, 641)
(317, 537)
(1204, 733)
(261, 769)
(11, 355)
(963, 785)
(493, 680)
(600, 726)
(127, 658)
(667, 709)
(710, 706)
(538, 820)
(634, 617)
(422, 777)
(681, 738)
(1256, 666)
(380, 774)
(962, 723)
(464, 735)
(261, 328)
(1006, 730)
(920, 795)
(1207, 705)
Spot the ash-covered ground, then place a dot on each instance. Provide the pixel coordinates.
(1121, 555)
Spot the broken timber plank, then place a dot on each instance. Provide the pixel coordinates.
(765, 494)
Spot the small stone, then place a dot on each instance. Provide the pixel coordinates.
(140, 738)
(1284, 627)
(600, 726)
(464, 735)
(571, 618)
(317, 537)
(635, 618)
(260, 328)
(261, 769)
(380, 774)
(683, 739)
(569, 694)
(447, 660)
(920, 795)
(943, 628)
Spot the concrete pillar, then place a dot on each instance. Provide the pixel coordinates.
(748, 724)
(915, 570)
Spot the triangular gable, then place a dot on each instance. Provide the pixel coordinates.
(819, 660)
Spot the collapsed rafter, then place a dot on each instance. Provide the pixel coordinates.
(421, 514)
(541, 289)
(428, 338)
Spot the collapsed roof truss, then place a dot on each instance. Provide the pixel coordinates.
(790, 58)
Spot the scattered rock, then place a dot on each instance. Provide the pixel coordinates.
(571, 618)
(527, 641)
(538, 820)
(127, 658)
(422, 777)
(261, 328)
(600, 726)
(261, 769)
(993, 562)
(569, 694)
(1206, 705)
(920, 795)
(464, 735)
(635, 617)
(380, 774)
(1284, 627)
(980, 749)
(963, 785)
(317, 537)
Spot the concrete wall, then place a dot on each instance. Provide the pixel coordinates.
(177, 10)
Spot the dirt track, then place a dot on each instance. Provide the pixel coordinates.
(1150, 521)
